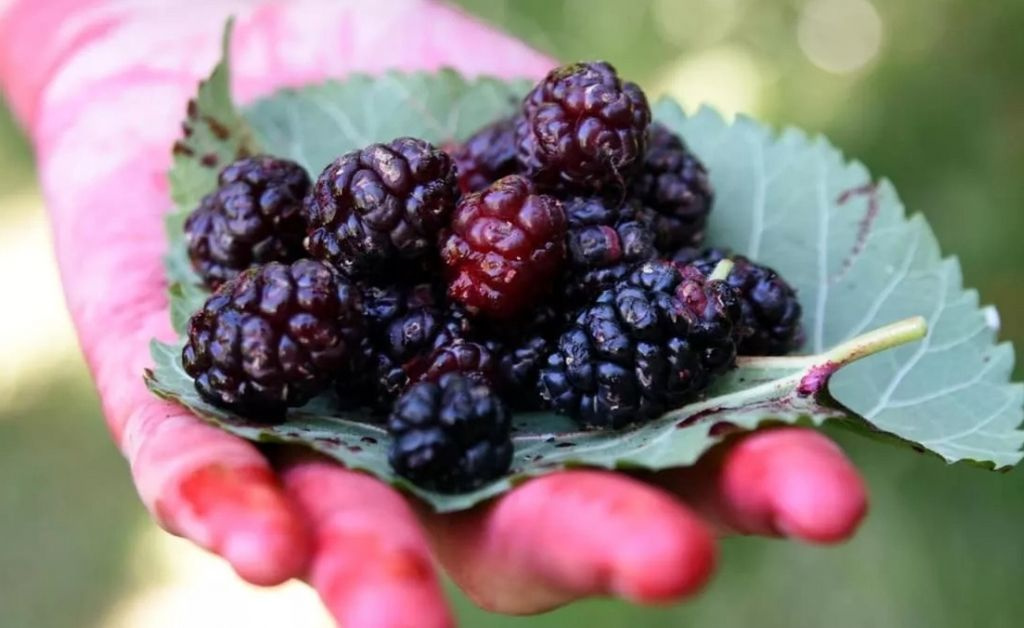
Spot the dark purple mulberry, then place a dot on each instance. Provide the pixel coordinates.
(521, 349)
(606, 239)
(378, 209)
(771, 311)
(471, 359)
(583, 128)
(488, 155)
(253, 217)
(650, 343)
(452, 435)
(406, 325)
(673, 184)
(273, 337)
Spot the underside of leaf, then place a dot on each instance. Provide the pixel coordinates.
(758, 391)
(857, 261)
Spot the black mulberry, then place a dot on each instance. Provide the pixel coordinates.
(375, 209)
(650, 343)
(406, 324)
(606, 239)
(452, 435)
(272, 337)
(583, 128)
(488, 155)
(253, 217)
(771, 311)
(505, 247)
(673, 184)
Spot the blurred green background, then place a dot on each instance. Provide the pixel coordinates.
(926, 92)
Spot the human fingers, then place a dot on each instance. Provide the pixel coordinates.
(790, 482)
(371, 562)
(575, 534)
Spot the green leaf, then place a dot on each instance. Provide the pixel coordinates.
(858, 262)
(758, 391)
(317, 123)
(865, 273)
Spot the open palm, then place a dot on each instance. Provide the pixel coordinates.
(101, 87)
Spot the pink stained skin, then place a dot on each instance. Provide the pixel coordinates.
(371, 560)
(101, 87)
(576, 534)
(782, 482)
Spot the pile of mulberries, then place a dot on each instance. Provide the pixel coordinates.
(554, 261)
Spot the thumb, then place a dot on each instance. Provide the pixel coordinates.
(101, 86)
(71, 45)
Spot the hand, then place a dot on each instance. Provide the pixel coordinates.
(101, 87)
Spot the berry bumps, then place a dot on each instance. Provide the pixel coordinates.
(451, 435)
(253, 217)
(650, 343)
(505, 247)
(771, 312)
(674, 186)
(273, 337)
(583, 128)
(377, 208)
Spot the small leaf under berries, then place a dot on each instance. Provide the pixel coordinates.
(214, 133)
(865, 273)
(758, 391)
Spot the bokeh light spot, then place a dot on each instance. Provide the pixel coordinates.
(840, 36)
(725, 77)
(696, 22)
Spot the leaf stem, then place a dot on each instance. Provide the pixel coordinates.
(721, 270)
(887, 337)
